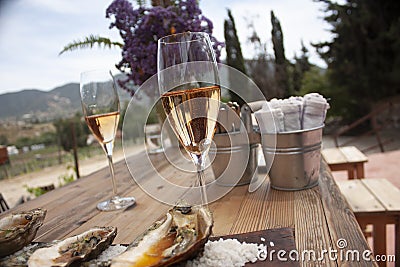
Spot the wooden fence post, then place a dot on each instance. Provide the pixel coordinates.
(75, 150)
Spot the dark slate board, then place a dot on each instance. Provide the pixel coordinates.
(282, 238)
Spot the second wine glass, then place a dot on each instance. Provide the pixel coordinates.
(101, 108)
(190, 93)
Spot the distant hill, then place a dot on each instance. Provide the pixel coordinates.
(62, 101)
(55, 103)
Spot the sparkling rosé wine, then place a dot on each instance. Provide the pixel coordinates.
(103, 126)
(192, 114)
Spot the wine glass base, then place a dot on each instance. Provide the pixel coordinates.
(116, 203)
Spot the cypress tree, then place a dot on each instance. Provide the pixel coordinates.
(234, 57)
(261, 67)
(301, 66)
(281, 72)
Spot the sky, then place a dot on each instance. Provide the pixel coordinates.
(33, 32)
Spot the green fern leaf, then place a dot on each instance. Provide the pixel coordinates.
(90, 42)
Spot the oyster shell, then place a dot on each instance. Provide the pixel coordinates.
(19, 229)
(74, 249)
(178, 237)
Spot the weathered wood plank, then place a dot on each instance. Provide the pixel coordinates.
(385, 192)
(352, 154)
(359, 197)
(333, 156)
(250, 211)
(131, 221)
(309, 214)
(278, 210)
(341, 221)
(225, 211)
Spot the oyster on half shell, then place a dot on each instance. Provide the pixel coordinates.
(179, 236)
(74, 249)
(19, 229)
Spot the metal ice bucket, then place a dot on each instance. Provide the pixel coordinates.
(296, 158)
(233, 165)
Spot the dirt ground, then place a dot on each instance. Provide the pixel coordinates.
(13, 189)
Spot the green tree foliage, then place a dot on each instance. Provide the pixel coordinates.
(65, 129)
(234, 57)
(275, 75)
(261, 67)
(318, 80)
(46, 138)
(3, 139)
(281, 64)
(300, 67)
(24, 141)
(364, 56)
(133, 130)
(315, 80)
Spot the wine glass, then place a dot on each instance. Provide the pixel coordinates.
(101, 109)
(190, 93)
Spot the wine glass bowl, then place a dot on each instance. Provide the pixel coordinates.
(190, 93)
(101, 109)
(192, 114)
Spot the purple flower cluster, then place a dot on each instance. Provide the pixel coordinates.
(141, 28)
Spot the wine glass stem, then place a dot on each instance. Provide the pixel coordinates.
(201, 181)
(114, 184)
(108, 149)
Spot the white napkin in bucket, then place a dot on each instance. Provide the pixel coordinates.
(314, 110)
(292, 114)
(270, 120)
(292, 111)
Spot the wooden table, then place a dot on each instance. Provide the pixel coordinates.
(319, 216)
(347, 158)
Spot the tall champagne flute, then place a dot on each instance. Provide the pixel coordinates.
(100, 105)
(190, 93)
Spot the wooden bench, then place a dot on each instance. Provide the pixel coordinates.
(375, 202)
(347, 158)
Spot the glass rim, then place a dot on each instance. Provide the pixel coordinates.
(111, 70)
(163, 39)
(99, 73)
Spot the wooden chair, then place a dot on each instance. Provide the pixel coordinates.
(375, 202)
(347, 158)
(3, 204)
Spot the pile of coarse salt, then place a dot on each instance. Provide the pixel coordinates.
(228, 252)
(111, 252)
(104, 259)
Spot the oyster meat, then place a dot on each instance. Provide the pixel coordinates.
(74, 249)
(19, 229)
(179, 236)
